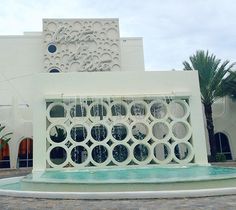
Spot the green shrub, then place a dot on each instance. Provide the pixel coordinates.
(220, 157)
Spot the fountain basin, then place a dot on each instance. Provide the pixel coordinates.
(145, 182)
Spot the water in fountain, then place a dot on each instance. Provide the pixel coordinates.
(118, 131)
(139, 111)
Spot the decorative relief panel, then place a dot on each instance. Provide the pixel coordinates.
(81, 45)
(104, 132)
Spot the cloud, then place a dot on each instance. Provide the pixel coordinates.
(172, 29)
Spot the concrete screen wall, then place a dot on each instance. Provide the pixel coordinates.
(120, 84)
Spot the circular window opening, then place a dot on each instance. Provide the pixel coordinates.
(139, 131)
(54, 71)
(99, 132)
(180, 130)
(140, 152)
(177, 109)
(78, 133)
(138, 110)
(52, 48)
(181, 151)
(99, 154)
(118, 110)
(57, 111)
(79, 154)
(160, 130)
(119, 132)
(57, 133)
(120, 153)
(58, 155)
(78, 110)
(98, 110)
(158, 110)
(161, 151)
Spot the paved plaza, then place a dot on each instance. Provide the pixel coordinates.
(223, 202)
(218, 202)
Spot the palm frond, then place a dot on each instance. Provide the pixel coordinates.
(212, 75)
(229, 84)
(4, 138)
(2, 128)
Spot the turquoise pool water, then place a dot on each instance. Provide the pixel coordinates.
(148, 175)
(12, 186)
(138, 175)
(126, 183)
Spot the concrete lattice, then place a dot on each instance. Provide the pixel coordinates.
(102, 132)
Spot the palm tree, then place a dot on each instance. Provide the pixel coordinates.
(230, 84)
(4, 138)
(215, 81)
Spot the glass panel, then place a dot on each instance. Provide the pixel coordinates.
(4, 156)
(25, 153)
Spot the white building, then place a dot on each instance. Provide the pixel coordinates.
(224, 117)
(89, 46)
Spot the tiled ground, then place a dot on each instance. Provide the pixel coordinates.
(207, 203)
(210, 203)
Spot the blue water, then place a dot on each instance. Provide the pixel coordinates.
(129, 175)
(138, 175)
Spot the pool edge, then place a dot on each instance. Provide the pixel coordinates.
(117, 195)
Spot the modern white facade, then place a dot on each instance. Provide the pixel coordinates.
(75, 45)
(224, 116)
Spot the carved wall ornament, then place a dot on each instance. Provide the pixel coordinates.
(81, 44)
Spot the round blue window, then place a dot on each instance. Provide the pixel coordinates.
(52, 48)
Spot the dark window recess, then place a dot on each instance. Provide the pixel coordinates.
(4, 155)
(54, 71)
(222, 145)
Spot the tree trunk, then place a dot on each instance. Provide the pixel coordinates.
(210, 129)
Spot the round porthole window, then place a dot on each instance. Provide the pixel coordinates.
(54, 71)
(52, 48)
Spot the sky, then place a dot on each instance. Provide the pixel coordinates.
(172, 30)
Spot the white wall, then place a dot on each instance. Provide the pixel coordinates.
(21, 58)
(224, 119)
(132, 54)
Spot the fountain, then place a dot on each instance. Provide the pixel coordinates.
(113, 134)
